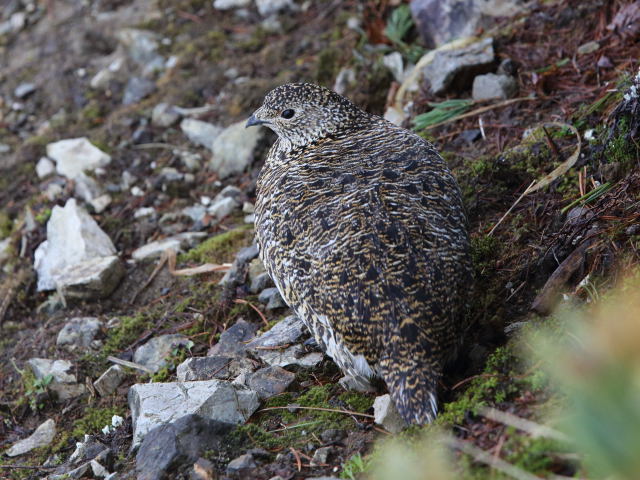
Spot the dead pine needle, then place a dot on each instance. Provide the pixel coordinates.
(532, 428)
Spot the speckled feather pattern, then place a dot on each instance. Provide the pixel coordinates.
(360, 223)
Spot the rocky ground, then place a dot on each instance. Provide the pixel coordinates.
(140, 336)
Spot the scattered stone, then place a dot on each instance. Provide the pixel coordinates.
(287, 331)
(5, 250)
(233, 149)
(233, 340)
(24, 90)
(272, 298)
(589, 47)
(271, 7)
(199, 132)
(223, 208)
(98, 470)
(270, 381)
(241, 464)
(4, 148)
(86, 187)
(490, 86)
(455, 68)
(195, 212)
(345, 79)
(101, 202)
(177, 243)
(136, 89)
(93, 278)
(393, 61)
(295, 355)
(386, 415)
(203, 469)
(218, 366)
(169, 446)
(190, 160)
(470, 136)
(42, 436)
(164, 115)
(230, 4)
(332, 435)
(111, 379)
(45, 167)
(76, 155)
(142, 46)
(102, 79)
(440, 21)
(320, 456)
(58, 369)
(153, 404)
(154, 353)
(78, 332)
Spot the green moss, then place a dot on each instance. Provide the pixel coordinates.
(356, 401)
(6, 225)
(92, 114)
(221, 248)
(126, 333)
(94, 420)
(43, 216)
(484, 251)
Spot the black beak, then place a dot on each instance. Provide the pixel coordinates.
(253, 121)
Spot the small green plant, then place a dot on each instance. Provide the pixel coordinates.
(441, 112)
(398, 26)
(36, 388)
(353, 467)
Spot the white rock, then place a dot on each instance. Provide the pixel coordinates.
(92, 278)
(393, 61)
(177, 243)
(111, 379)
(269, 7)
(72, 237)
(86, 188)
(223, 207)
(101, 203)
(75, 155)
(202, 133)
(53, 191)
(164, 115)
(142, 47)
(43, 435)
(5, 249)
(233, 149)
(45, 167)
(230, 4)
(386, 415)
(58, 369)
(78, 332)
(144, 212)
(154, 353)
(154, 404)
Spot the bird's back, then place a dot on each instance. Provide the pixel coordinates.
(365, 236)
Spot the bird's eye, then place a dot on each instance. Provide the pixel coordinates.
(288, 113)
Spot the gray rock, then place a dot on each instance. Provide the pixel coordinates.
(177, 243)
(204, 368)
(233, 340)
(199, 132)
(154, 353)
(290, 356)
(98, 470)
(345, 79)
(195, 212)
(5, 250)
(190, 160)
(169, 446)
(287, 331)
(270, 381)
(260, 282)
(93, 278)
(142, 47)
(164, 115)
(386, 414)
(237, 273)
(111, 379)
(223, 208)
(440, 21)
(393, 61)
(103, 78)
(320, 456)
(270, 7)
(78, 332)
(233, 149)
(58, 369)
(272, 298)
(490, 86)
(241, 463)
(24, 90)
(136, 89)
(587, 48)
(101, 202)
(154, 404)
(230, 4)
(86, 187)
(76, 155)
(42, 436)
(456, 68)
(89, 452)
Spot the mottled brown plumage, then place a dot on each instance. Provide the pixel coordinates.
(361, 225)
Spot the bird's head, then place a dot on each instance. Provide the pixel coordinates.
(303, 113)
